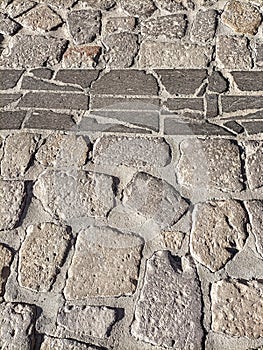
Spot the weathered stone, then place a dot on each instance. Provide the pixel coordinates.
(42, 73)
(97, 4)
(212, 107)
(204, 26)
(237, 308)
(82, 77)
(232, 52)
(34, 51)
(234, 126)
(232, 103)
(87, 321)
(210, 164)
(172, 240)
(138, 8)
(168, 312)
(249, 81)
(40, 119)
(81, 56)
(17, 326)
(253, 127)
(84, 25)
(41, 17)
(46, 245)
(255, 209)
(155, 199)
(60, 3)
(174, 5)
(173, 55)
(5, 262)
(10, 120)
(116, 24)
(171, 27)
(259, 54)
(218, 232)
(217, 83)
(64, 344)
(7, 25)
(129, 151)
(9, 78)
(119, 55)
(124, 103)
(127, 83)
(19, 149)
(244, 18)
(106, 263)
(175, 104)
(75, 194)
(7, 99)
(18, 7)
(254, 164)
(30, 83)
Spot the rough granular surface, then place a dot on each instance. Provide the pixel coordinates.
(131, 174)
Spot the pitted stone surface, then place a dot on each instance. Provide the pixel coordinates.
(106, 263)
(138, 8)
(168, 312)
(82, 56)
(204, 26)
(7, 25)
(218, 232)
(174, 5)
(255, 209)
(115, 24)
(87, 321)
(172, 240)
(115, 151)
(11, 200)
(254, 164)
(5, 262)
(237, 308)
(64, 344)
(97, 4)
(17, 7)
(17, 326)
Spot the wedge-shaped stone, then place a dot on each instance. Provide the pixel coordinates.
(130, 151)
(5, 261)
(87, 321)
(237, 308)
(17, 326)
(138, 8)
(11, 200)
(9, 78)
(170, 27)
(64, 344)
(75, 194)
(254, 164)
(218, 232)
(106, 263)
(255, 208)
(42, 254)
(155, 199)
(168, 312)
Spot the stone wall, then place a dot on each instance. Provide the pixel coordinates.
(131, 174)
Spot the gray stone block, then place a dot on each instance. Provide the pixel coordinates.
(42, 73)
(11, 119)
(29, 83)
(212, 108)
(174, 104)
(7, 99)
(124, 103)
(217, 83)
(40, 119)
(136, 8)
(9, 78)
(253, 127)
(232, 103)
(82, 77)
(249, 81)
(204, 26)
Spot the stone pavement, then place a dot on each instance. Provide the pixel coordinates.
(131, 174)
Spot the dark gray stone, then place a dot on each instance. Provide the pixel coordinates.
(6, 99)
(43, 73)
(259, 54)
(40, 119)
(49, 100)
(174, 104)
(236, 103)
(11, 119)
(127, 83)
(217, 83)
(212, 106)
(84, 25)
(204, 26)
(249, 81)
(138, 8)
(253, 127)
(7, 25)
(9, 78)
(234, 126)
(124, 103)
(182, 81)
(255, 116)
(30, 83)
(82, 77)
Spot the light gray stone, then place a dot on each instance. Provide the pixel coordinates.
(122, 24)
(63, 344)
(7, 25)
(106, 263)
(204, 26)
(168, 312)
(97, 4)
(138, 8)
(254, 164)
(172, 240)
(174, 5)
(59, 3)
(18, 7)
(255, 209)
(5, 262)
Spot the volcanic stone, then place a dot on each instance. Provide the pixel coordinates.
(5, 262)
(63, 344)
(97, 4)
(9, 78)
(217, 83)
(254, 164)
(138, 8)
(204, 26)
(116, 24)
(84, 56)
(7, 25)
(17, 7)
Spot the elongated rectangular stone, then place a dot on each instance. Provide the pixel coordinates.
(30, 83)
(232, 103)
(82, 77)
(9, 78)
(174, 104)
(6, 99)
(11, 119)
(253, 127)
(248, 81)
(40, 119)
(122, 103)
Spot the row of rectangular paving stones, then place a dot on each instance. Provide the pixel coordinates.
(170, 302)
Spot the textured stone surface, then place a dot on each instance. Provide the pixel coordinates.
(237, 308)
(30, 83)
(87, 321)
(253, 127)
(218, 232)
(17, 7)
(115, 24)
(8, 99)
(5, 262)
(254, 164)
(114, 150)
(106, 263)
(98, 4)
(196, 104)
(249, 81)
(17, 326)
(64, 344)
(9, 78)
(82, 77)
(46, 244)
(255, 209)
(174, 5)
(217, 83)
(173, 126)
(7, 25)
(242, 17)
(11, 120)
(85, 56)
(168, 312)
(232, 103)
(212, 107)
(42, 73)
(138, 8)
(172, 240)
(204, 26)
(40, 119)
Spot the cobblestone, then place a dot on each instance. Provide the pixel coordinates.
(204, 26)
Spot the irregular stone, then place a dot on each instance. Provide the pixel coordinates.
(174, 5)
(9, 78)
(217, 83)
(253, 127)
(242, 17)
(210, 164)
(259, 54)
(60, 3)
(175, 104)
(129, 151)
(106, 263)
(84, 25)
(172, 240)
(234, 126)
(41, 119)
(118, 54)
(18, 7)
(81, 57)
(138, 8)
(155, 199)
(218, 232)
(7, 25)
(254, 164)
(64, 344)
(204, 26)
(10, 120)
(30, 83)
(232, 52)
(17, 326)
(87, 321)
(11, 199)
(232, 103)
(41, 17)
(171, 27)
(212, 106)
(7, 99)
(249, 81)
(168, 312)
(43, 73)
(46, 245)
(82, 77)
(63, 151)
(173, 55)
(237, 308)
(255, 209)
(116, 24)
(33, 51)
(126, 82)
(75, 194)
(19, 149)
(97, 4)
(5, 262)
